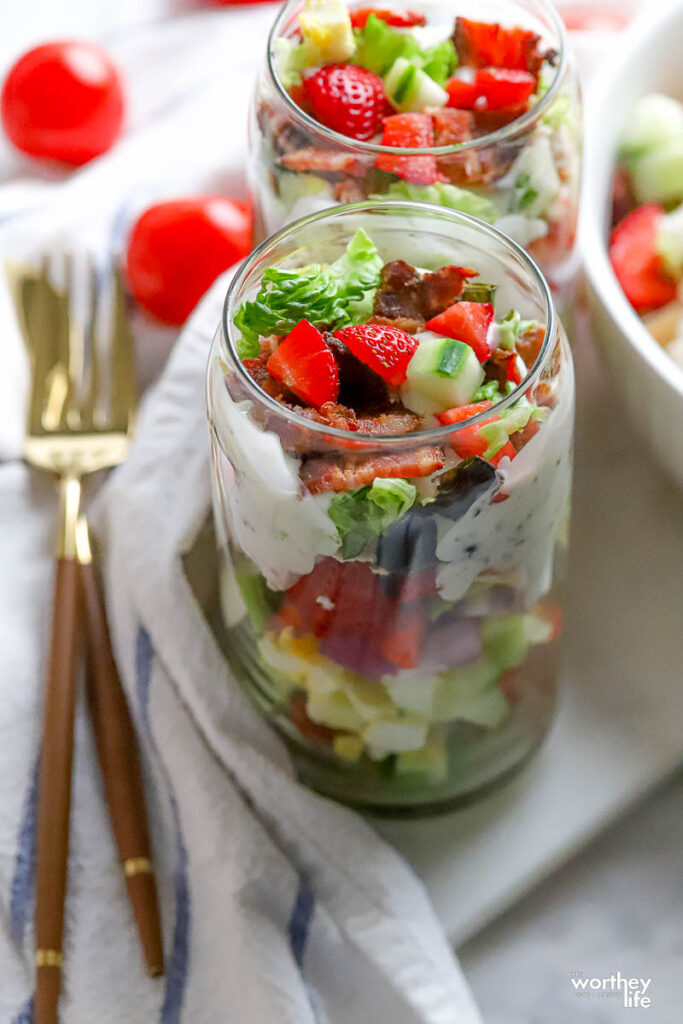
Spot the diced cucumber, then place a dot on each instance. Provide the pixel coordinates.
(658, 175)
(670, 242)
(535, 178)
(430, 763)
(326, 28)
(394, 736)
(410, 89)
(505, 640)
(442, 373)
(654, 120)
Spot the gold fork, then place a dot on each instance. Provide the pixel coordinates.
(79, 422)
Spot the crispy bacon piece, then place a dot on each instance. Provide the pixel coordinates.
(325, 161)
(496, 366)
(331, 473)
(404, 295)
(348, 192)
(453, 126)
(404, 323)
(400, 422)
(483, 44)
(359, 386)
(530, 344)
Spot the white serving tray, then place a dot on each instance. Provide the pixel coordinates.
(619, 730)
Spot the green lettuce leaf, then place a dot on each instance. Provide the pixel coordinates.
(378, 45)
(362, 515)
(336, 295)
(440, 61)
(290, 60)
(452, 196)
(511, 328)
(491, 391)
(497, 433)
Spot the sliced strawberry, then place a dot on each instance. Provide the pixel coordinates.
(348, 99)
(386, 350)
(503, 89)
(462, 94)
(636, 261)
(512, 371)
(409, 131)
(305, 364)
(397, 19)
(483, 44)
(469, 322)
(451, 126)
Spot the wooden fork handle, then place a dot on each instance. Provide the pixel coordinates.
(118, 756)
(54, 795)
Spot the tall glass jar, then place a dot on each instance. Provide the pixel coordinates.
(408, 671)
(523, 176)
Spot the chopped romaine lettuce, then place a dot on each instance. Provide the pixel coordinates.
(452, 196)
(290, 60)
(378, 45)
(440, 61)
(498, 431)
(511, 328)
(362, 515)
(491, 391)
(338, 295)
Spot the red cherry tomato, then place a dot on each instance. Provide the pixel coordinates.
(177, 249)
(63, 101)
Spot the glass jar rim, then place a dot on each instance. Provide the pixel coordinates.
(505, 133)
(430, 434)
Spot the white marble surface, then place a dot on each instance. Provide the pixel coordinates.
(616, 907)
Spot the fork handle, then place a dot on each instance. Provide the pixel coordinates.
(119, 761)
(54, 794)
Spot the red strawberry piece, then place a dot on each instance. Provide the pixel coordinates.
(409, 131)
(508, 450)
(462, 94)
(636, 261)
(348, 99)
(466, 441)
(503, 89)
(386, 350)
(512, 371)
(305, 364)
(483, 44)
(469, 322)
(451, 126)
(397, 19)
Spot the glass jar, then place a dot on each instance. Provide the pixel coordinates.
(409, 671)
(523, 176)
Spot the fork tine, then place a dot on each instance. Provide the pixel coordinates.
(89, 410)
(123, 388)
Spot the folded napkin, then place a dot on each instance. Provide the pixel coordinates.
(277, 905)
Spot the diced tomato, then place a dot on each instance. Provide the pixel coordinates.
(306, 365)
(483, 44)
(469, 322)
(466, 441)
(503, 89)
(409, 131)
(507, 451)
(462, 94)
(397, 19)
(512, 371)
(636, 262)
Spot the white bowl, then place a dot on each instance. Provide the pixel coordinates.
(648, 58)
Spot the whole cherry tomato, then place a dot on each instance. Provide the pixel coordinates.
(63, 101)
(177, 249)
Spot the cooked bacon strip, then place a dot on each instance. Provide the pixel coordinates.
(451, 127)
(496, 366)
(331, 473)
(404, 295)
(325, 161)
(403, 422)
(404, 323)
(530, 344)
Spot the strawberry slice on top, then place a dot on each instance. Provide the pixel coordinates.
(306, 365)
(409, 131)
(397, 19)
(386, 350)
(348, 99)
(636, 261)
(469, 322)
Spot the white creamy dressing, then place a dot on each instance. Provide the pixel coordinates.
(278, 526)
(520, 533)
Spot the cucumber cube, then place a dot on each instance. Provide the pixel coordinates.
(410, 89)
(443, 373)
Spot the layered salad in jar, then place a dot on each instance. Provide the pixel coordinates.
(646, 241)
(423, 104)
(392, 454)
